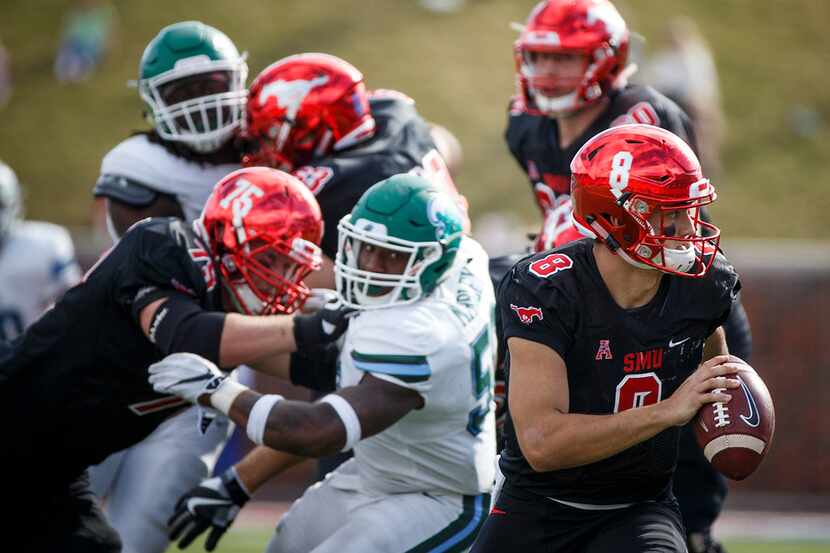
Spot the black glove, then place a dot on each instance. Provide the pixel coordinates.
(212, 504)
(323, 327)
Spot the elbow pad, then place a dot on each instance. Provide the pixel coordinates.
(180, 325)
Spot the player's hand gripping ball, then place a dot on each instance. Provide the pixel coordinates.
(735, 436)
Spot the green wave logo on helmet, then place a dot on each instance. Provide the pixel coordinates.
(444, 216)
(407, 215)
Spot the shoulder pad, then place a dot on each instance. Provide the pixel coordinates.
(123, 189)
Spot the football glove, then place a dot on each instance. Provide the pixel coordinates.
(213, 505)
(186, 375)
(323, 327)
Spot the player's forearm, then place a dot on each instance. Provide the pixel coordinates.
(563, 440)
(262, 464)
(295, 427)
(247, 340)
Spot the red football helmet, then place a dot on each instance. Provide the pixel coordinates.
(303, 107)
(635, 187)
(263, 228)
(593, 28)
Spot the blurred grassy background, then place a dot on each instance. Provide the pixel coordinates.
(772, 55)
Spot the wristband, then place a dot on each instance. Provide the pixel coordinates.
(347, 414)
(258, 417)
(235, 486)
(225, 394)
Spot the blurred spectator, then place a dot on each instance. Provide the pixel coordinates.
(684, 70)
(5, 76)
(85, 37)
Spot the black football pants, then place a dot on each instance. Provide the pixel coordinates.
(529, 523)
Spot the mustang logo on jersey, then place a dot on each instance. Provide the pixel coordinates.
(527, 314)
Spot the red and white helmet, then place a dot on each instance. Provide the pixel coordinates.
(263, 228)
(627, 175)
(591, 27)
(303, 107)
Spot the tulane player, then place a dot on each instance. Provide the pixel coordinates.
(413, 381)
(37, 261)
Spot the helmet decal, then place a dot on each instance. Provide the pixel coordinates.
(290, 94)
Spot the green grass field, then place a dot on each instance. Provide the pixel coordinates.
(253, 541)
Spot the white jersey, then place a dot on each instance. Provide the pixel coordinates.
(153, 166)
(443, 347)
(37, 265)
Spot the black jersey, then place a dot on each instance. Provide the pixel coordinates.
(401, 143)
(534, 139)
(616, 359)
(74, 387)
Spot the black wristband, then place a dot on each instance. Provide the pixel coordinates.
(235, 490)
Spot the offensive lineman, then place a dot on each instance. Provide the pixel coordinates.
(414, 388)
(76, 380)
(192, 82)
(37, 261)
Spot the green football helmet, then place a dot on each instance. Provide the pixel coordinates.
(409, 216)
(192, 79)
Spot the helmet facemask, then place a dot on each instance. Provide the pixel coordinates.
(645, 237)
(204, 122)
(266, 278)
(364, 289)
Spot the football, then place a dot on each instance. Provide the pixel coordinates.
(736, 435)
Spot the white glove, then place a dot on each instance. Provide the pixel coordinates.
(185, 375)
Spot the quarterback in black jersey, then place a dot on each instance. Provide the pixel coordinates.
(74, 386)
(570, 89)
(613, 344)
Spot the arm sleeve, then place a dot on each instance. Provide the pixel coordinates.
(523, 314)
(181, 325)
